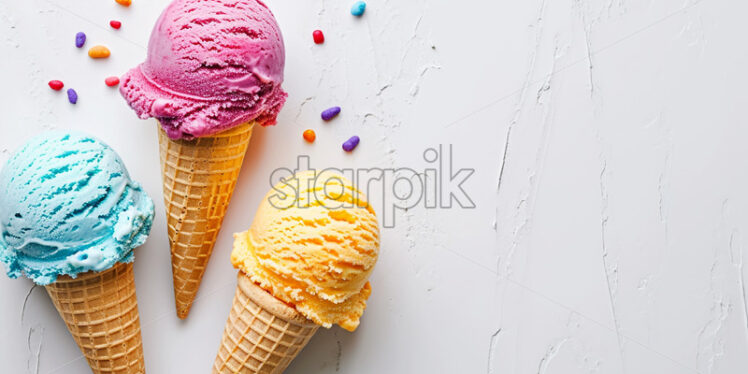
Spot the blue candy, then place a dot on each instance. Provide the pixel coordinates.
(80, 39)
(330, 113)
(351, 143)
(358, 8)
(72, 96)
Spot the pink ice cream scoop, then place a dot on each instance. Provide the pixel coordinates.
(211, 65)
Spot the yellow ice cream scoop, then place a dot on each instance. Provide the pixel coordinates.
(313, 244)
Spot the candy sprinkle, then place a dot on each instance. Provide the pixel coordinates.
(358, 8)
(351, 143)
(56, 85)
(111, 81)
(115, 24)
(72, 96)
(80, 39)
(330, 113)
(318, 36)
(99, 51)
(124, 2)
(309, 136)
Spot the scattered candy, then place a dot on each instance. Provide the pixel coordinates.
(111, 81)
(56, 85)
(330, 113)
(80, 39)
(309, 136)
(318, 36)
(99, 51)
(351, 143)
(124, 2)
(72, 96)
(115, 24)
(358, 8)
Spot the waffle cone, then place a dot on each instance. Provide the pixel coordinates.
(262, 334)
(101, 312)
(199, 177)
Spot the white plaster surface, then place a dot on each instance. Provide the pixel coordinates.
(611, 178)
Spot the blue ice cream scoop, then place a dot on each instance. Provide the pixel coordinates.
(68, 206)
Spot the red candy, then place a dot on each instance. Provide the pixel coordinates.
(56, 85)
(319, 37)
(111, 81)
(115, 24)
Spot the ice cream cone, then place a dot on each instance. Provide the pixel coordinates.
(101, 312)
(262, 334)
(199, 177)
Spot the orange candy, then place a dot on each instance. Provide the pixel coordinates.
(99, 51)
(124, 2)
(309, 136)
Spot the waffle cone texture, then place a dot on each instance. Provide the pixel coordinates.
(100, 310)
(262, 334)
(199, 177)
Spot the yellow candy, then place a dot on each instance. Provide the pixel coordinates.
(124, 2)
(99, 51)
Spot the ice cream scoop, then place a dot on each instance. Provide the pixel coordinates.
(313, 244)
(214, 71)
(70, 217)
(68, 206)
(212, 65)
(304, 263)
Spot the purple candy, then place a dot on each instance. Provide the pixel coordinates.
(330, 113)
(80, 39)
(72, 96)
(351, 143)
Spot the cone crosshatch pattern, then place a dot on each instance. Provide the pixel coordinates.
(199, 177)
(262, 335)
(100, 310)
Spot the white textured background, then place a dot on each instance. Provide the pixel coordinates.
(611, 178)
